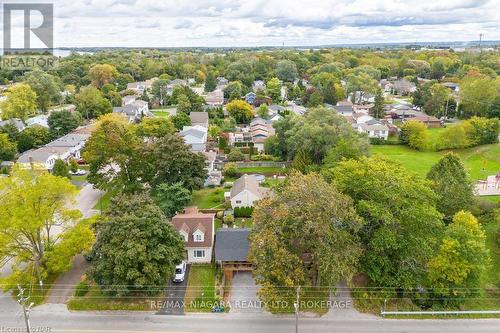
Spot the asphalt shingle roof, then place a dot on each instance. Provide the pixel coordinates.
(231, 244)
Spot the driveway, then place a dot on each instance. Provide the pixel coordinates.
(243, 297)
(65, 284)
(174, 297)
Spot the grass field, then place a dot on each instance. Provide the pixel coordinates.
(263, 170)
(104, 201)
(480, 161)
(200, 291)
(94, 300)
(208, 198)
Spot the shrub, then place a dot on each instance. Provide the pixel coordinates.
(261, 157)
(230, 170)
(235, 155)
(82, 289)
(243, 211)
(415, 134)
(229, 220)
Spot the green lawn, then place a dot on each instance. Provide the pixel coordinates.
(160, 113)
(263, 170)
(94, 300)
(208, 198)
(480, 161)
(243, 222)
(104, 201)
(200, 291)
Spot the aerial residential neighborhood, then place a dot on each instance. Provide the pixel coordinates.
(257, 174)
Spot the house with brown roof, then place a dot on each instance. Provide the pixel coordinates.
(199, 118)
(197, 229)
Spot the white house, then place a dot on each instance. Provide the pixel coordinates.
(195, 136)
(245, 191)
(42, 120)
(374, 129)
(197, 230)
(134, 111)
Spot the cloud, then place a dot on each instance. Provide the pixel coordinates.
(270, 22)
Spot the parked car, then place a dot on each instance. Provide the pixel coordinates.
(180, 272)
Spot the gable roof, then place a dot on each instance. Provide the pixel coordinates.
(247, 182)
(199, 117)
(232, 244)
(192, 220)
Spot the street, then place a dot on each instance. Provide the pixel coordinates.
(57, 319)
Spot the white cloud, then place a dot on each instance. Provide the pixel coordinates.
(270, 22)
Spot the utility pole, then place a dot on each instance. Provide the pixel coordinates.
(26, 310)
(296, 306)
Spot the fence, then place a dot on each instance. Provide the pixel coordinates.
(219, 165)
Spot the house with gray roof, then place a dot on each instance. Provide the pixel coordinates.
(231, 250)
(134, 111)
(245, 191)
(18, 123)
(199, 119)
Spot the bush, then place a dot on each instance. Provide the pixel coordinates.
(243, 211)
(415, 134)
(229, 220)
(82, 289)
(378, 141)
(230, 170)
(262, 157)
(235, 155)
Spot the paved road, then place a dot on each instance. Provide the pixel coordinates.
(87, 198)
(174, 297)
(60, 320)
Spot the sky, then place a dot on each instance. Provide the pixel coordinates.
(241, 23)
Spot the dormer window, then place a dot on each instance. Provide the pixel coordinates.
(198, 236)
(184, 235)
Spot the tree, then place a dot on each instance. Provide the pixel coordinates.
(291, 242)
(301, 161)
(435, 104)
(234, 90)
(110, 93)
(155, 127)
(316, 132)
(263, 111)
(456, 271)
(169, 160)
(63, 122)
(402, 225)
(8, 148)
(171, 198)
(136, 249)
(273, 89)
(210, 83)
(477, 96)
(113, 153)
(330, 94)
(377, 111)
(45, 86)
(20, 102)
(101, 74)
(159, 90)
(180, 120)
(30, 243)
(240, 110)
(484, 131)
(91, 103)
(286, 71)
(362, 83)
(235, 155)
(231, 170)
(415, 134)
(32, 137)
(61, 169)
(451, 183)
(183, 104)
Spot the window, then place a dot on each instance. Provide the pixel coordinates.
(198, 237)
(238, 201)
(199, 253)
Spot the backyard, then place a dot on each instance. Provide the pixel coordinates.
(207, 198)
(480, 161)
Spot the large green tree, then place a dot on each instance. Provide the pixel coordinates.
(240, 110)
(113, 153)
(169, 160)
(91, 103)
(20, 102)
(63, 122)
(32, 137)
(34, 205)
(45, 86)
(305, 235)
(136, 248)
(171, 198)
(451, 183)
(457, 270)
(402, 225)
(8, 148)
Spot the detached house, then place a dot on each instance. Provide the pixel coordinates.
(196, 137)
(197, 229)
(245, 191)
(134, 111)
(199, 119)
